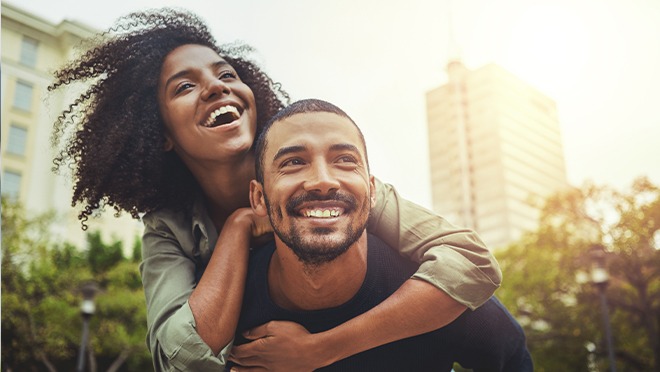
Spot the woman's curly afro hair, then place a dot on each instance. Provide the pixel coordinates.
(112, 135)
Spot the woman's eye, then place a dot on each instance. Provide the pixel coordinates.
(183, 87)
(228, 75)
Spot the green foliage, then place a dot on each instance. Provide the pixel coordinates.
(546, 279)
(101, 256)
(137, 250)
(41, 298)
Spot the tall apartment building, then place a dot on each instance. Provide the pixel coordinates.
(494, 141)
(31, 49)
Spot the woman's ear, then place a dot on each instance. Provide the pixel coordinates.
(257, 200)
(168, 145)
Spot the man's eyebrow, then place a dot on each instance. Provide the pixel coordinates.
(288, 150)
(186, 72)
(343, 147)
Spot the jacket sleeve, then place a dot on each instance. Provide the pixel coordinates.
(453, 259)
(168, 277)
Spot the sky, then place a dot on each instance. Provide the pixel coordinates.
(376, 59)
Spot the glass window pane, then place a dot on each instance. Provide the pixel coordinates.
(29, 51)
(11, 184)
(23, 97)
(16, 142)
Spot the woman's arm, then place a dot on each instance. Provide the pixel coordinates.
(453, 259)
(457, 271)
(416, 307)
(190, 323)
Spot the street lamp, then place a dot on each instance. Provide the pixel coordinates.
(86, 310)
(600, 279)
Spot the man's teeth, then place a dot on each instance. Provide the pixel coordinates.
(222, 110)
(322, 213)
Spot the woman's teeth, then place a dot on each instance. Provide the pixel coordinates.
(322, 213)
(230, 114)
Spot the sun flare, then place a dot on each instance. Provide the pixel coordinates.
(549, 47)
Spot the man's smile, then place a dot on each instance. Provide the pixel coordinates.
(312, 205)
(322, 212)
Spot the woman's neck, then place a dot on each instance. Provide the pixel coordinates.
(226, 187)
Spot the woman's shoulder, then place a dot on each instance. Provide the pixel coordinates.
(166, 218)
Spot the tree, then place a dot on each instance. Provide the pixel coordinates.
(41, 322)
(546, 282)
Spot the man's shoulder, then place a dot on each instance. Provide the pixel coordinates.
(387, 270)
(382, 255)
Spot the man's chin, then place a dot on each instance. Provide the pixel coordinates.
(323, 230)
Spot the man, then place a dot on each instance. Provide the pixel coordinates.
(323, 268)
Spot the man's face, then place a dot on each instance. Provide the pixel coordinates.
(317, 189)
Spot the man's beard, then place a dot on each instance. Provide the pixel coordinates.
(315, 252)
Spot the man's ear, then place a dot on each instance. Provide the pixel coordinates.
(257, 200)
(168, 145)
(372, 188)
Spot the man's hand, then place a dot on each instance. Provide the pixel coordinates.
(278, 346)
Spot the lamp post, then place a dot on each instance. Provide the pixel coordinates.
(86, 310)
(600, 279)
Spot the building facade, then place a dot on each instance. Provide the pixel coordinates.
(494, 142)
(31, 49)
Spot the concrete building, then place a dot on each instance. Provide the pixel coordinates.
(494, 141)
(31, 49)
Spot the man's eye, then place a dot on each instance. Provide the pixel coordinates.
(293, 162)
(347, 159)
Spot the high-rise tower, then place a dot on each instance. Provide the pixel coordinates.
(494, 141)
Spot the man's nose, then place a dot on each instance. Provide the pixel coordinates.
(214, 87)
(321, 179)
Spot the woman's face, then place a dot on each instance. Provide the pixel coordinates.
(209, 113)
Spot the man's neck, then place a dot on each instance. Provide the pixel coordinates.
(296, 286)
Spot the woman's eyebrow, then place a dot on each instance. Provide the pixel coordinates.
(185, 72)
(221, 63)
(176, 76)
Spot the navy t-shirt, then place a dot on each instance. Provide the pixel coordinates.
(487, 339)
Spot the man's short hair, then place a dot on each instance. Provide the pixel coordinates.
(300, 107)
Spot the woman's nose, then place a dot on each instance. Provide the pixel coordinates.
(215, 87)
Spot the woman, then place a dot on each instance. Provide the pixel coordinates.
(166, 129)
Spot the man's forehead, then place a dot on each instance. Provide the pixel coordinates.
(313, 128)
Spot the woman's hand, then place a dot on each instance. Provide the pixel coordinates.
(279, 346)
(260, 229)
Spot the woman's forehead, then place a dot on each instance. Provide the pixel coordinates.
(188, 58)
(191, 55)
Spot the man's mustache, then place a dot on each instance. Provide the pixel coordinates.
(297, 200)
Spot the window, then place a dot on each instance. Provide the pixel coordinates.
(23, 97)
(16, 143)
(11, 184)
(29, 51)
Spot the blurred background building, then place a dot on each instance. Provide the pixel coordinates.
(31, 49)
(494, 142)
